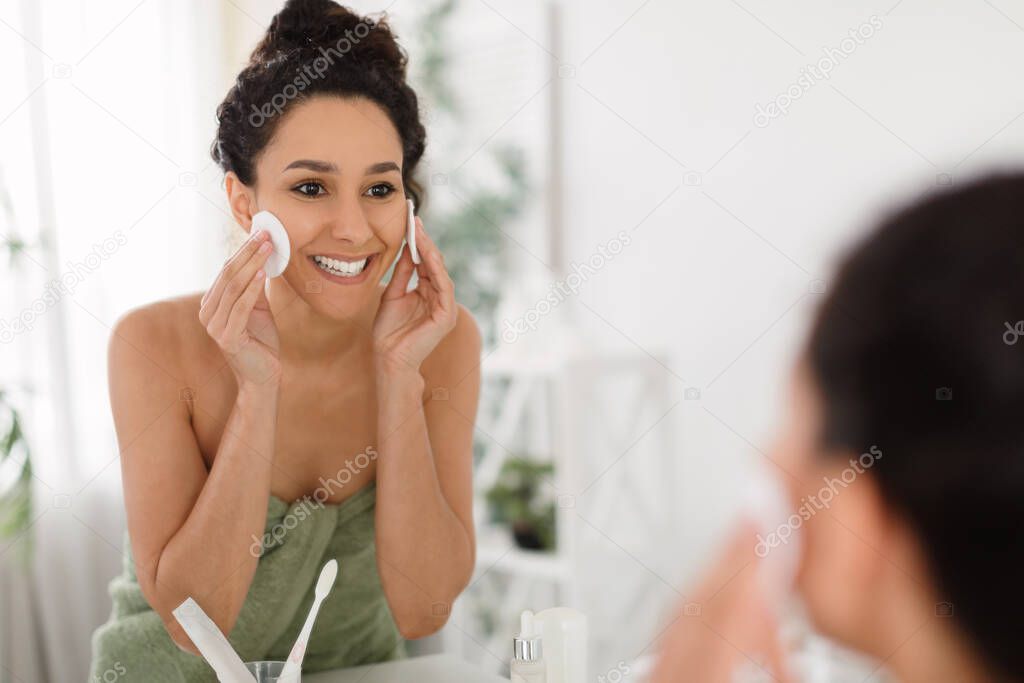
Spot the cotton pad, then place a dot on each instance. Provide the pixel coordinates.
(779, 541)
(410, 232)
(278, 259)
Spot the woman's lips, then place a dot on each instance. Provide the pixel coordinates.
(343, 280)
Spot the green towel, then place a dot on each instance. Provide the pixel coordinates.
(354, 626)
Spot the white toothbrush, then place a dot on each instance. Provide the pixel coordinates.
(323, 586)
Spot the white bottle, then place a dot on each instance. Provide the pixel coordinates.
(565, 641)
(528, 665)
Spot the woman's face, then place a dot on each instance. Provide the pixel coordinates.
(332, 173)
(842, 526)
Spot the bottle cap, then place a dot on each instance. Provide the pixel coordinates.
(526, 646)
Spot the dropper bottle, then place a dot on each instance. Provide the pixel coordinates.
(528, 665)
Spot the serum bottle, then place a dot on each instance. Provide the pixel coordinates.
(528, 665)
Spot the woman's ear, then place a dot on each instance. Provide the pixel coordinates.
(240, 199)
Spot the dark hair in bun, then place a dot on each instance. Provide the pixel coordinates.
(317, 47)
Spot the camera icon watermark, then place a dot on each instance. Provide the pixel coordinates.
(566, 500)
(1013, 332)
(439, 394)
(314, 286)
(440, 609)
(943, 609)
(187, 394)
(816, 287)
(944, 179)
(566, 71)
(691, 394)
(62, 501)
(693, 179)
(62, 70)
(439, 179)
(691, 609)
(943, 394)
(188, 179)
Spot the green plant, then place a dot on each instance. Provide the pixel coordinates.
(15, 496)
(517, 499)
(15, 463)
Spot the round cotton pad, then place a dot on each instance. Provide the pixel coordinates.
(278, 259)
(410, 232)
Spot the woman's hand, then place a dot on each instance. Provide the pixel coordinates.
(237, 315)
(729, 627)
(409, 325)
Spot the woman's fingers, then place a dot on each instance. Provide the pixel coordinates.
(734, 627)
(239, 316)
(401, 276)
(232, 266)
(234, 287)
(436, 274)
(244, 252)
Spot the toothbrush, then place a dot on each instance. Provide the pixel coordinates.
(323, 586)
(410, 232)
(211, 643)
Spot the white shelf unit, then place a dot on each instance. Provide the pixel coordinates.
(553, 407)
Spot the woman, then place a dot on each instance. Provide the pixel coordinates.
(907, 406)
(267, 427)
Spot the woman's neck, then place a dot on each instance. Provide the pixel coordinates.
(936, 652)
(310, 337)
(916, 634)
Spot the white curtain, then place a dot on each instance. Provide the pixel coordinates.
(106, 116)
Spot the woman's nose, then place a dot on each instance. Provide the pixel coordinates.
(350, 225)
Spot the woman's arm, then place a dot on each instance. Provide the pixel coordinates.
(425, 537)
(191, 530)
(423, 341)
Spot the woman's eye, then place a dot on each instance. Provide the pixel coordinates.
(302, 189)
(381, 190)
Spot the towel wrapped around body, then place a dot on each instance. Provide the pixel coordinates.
(354, 626)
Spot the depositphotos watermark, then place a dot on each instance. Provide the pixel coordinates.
(513, 329)
(303, 510)
(810, 505)
(813, 73)
(616, 674)
(65, 285)
(110, 675)
(310, 72)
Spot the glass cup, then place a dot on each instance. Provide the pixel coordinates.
(270, 672)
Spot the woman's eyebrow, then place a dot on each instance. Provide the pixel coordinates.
(328, 167)
(313, 165)
(382, 167)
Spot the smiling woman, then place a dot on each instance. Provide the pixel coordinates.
(235, 406)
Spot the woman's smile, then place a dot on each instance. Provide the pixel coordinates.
(344, 270)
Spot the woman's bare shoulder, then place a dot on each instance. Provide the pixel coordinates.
(168, 332)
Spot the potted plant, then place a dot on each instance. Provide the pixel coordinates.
(517, 500)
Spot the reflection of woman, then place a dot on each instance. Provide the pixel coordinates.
(268, 427)
(909, 396)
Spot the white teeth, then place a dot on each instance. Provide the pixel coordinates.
(342, 268)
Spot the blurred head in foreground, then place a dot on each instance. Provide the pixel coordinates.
(905, 438)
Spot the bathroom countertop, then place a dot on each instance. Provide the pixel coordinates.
(430, 669)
